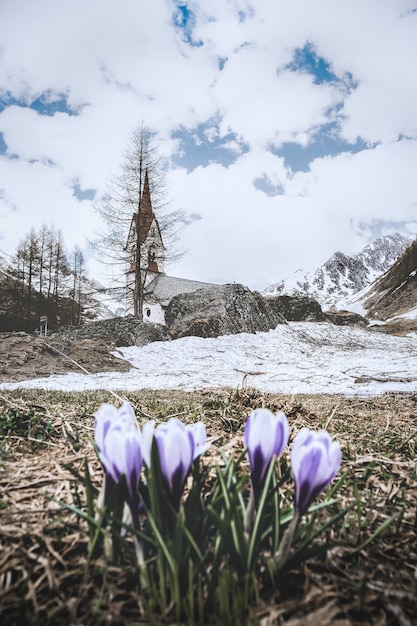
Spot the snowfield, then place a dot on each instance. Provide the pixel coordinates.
(299, 357)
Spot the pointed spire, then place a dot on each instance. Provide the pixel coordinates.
(145, 224)
(146, 214)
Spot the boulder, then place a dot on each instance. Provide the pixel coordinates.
(222, 310)
(296, 308)
(345, 318)
(122, 331)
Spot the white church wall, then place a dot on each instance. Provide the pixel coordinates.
(153, 312)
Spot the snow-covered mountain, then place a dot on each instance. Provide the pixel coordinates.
(341, 276)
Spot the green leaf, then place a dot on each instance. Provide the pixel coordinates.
(378, 531)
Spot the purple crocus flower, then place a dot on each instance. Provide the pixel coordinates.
(119, 444)
(176, 447)
(107, 416)
(315, 461)
(122, 455)
(265, 437)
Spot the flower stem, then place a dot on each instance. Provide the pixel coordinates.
(281, 554)
(249, 513)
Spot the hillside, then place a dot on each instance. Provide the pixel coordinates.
(20, 309)
(395, 293)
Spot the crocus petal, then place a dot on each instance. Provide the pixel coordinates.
(132, 462)
(119, 444)
(176, 449)
(176, 452)
(198, 431)
(148, 431)
(104, 417)
(113, 453)
(315, 461)
(267, 434)
(108, 417)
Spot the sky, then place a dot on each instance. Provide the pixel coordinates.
(299, 357)
(289, 127)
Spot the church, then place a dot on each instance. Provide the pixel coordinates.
(158, 288)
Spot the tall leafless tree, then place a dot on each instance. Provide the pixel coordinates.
(77, 268)
(122, 201)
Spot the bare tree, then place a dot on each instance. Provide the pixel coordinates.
(141, 162)
(60, 269)
(26, 262)
(77, 267)
(43, 238)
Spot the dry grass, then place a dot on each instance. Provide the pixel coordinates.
(44, 578)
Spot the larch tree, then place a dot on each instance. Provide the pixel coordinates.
(77, 268)
(141, 163)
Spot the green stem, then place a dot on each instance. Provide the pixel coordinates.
(249, 513)
(281, 555)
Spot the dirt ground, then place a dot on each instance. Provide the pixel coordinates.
(24, 356)
(364, 579)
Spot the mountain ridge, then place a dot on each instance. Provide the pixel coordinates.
(342, 276)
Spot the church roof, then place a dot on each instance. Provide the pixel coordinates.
(143, 220)
(163, 288)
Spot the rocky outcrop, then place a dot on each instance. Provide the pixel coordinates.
(296, 308)
(222, 310)
(345, 318)
(122, 331)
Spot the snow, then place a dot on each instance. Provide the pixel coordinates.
(301, 357)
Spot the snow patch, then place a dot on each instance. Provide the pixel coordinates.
(301, 357)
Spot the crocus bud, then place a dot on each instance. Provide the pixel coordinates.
(122, 455)
(315, 461)
(107, 416)
(119, 444)
(176, 447)
(265, 437)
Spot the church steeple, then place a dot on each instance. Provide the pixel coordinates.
(146, 214)
(145, 224)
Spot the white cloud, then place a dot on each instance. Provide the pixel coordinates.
(121, 63)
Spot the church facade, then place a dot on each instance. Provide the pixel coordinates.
(158, 288)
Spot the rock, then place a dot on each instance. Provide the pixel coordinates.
(222, 310)
(123, 331)
(345, 318)
(296, 308)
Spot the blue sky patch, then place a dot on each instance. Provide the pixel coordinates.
(243, 15)
(324, 143)
(83, 194)
(48, 103)
(380, 228)
(221, 62)
(307, 60)
(184, 20)
(3, 145)
(268, 187)
(203, 145)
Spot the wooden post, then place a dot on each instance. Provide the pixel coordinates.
(43, 331)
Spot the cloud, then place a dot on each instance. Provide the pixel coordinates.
(289, 126)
